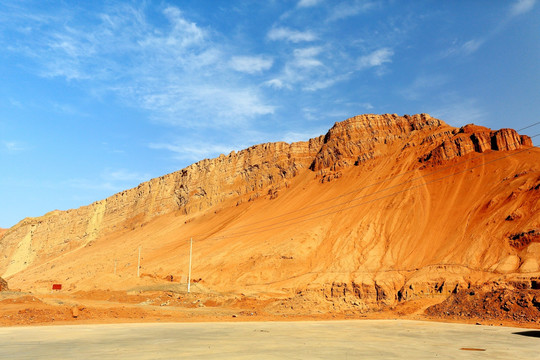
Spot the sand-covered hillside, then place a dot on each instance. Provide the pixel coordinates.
(382, 209)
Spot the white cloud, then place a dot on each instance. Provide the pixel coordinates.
(92, 184)
(187, 104)
(275, 83)
(349, 8)
(326, 82)
(15, 103)
(376, 58)
(303, 66)
(471, 46)
(308, 3)
(110, 180)
(295, 36)
(305, 57)
(251, 64)
(307, 52)
(467, 48)
(123, 175)
(13, 146)
(422, 85)
(308, 62)
(367, 106)
(319, 85)
(194, 150)
(460, 112)
(66, 109)
(521, 6)
(175, 70)
(294, 136)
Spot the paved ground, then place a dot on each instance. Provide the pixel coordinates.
(374, 339)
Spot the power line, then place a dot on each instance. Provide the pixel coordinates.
(205, 235)
(292, 221)
(529, 126)
(372, 185)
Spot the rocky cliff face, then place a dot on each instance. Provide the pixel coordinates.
(258, 171)
(374, 212)
(366, 137)
(472, 138)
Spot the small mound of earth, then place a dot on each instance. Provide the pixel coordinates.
(519, 305)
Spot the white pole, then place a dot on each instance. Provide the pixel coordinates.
(189, 272)
(139, 264)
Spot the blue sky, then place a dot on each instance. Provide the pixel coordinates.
(98, 96)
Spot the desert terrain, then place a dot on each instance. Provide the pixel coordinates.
(385, 216)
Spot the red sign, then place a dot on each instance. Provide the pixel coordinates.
(57, 287)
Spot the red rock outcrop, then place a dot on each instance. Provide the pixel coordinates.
(473, 138)
(350, 216)
(366, 137)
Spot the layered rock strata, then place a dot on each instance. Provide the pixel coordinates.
(3, 285)
(387, 252)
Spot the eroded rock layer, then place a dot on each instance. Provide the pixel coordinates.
(382, 209)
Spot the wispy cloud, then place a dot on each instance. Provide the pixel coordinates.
(423, 85)
(218, 106)
(326, 82)
(460, 112)
(110, 180)
(376, 58)
(308, 3)
(521, 6)
(349, 8)
(194, 150)
(306, 57)
(123, 175)
(15, 103)
(295, 36)
(251, 64)
(92, 184)
(471, 46)
(13, 146)
(276, 84)
(293, 136)
(67, 109)
(465, 48)
(366, 106)
(175, 70)
(302, 66)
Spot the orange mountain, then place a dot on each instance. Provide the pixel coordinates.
(381, 209)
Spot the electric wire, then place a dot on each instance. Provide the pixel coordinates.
(280, 224)
(292, 221)
(529, 126)
(372, 185)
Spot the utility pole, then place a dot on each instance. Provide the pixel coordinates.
(189, 272)
(139, 264)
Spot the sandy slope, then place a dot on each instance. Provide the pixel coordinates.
(360, 236)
